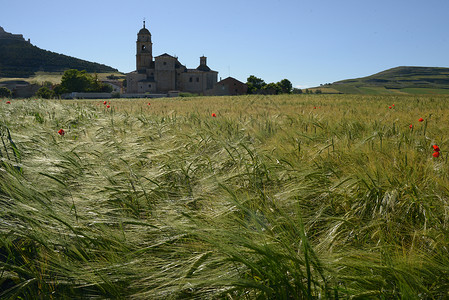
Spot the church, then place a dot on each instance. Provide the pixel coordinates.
(165, 73)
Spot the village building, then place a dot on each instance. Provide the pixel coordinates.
(165, 73)
(230, 87)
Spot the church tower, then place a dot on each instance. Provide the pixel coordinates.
(144, 53)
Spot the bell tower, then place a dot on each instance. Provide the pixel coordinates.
(144, 53)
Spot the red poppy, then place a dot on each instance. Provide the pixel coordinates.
(104, 102)
(108, 106)
(410, 126)
(436, 148)
(8, 102)
(436, 154)
(420, 120)
(214, 115)
(314, 107)
(149, 103)
(393, 104)
(389, 107)
(61, 132)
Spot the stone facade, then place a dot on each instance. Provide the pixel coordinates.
(165, 73)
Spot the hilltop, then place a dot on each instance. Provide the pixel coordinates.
(19, 58)
(399, 80)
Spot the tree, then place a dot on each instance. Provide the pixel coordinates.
(255, 84)
(98, 86)
(297, 91)
(5, 92)
(272, 89)
(286, 86)
(76, 81)
(80, 81)
(45, 93)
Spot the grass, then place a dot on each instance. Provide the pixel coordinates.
(277, 197)
(426, 91)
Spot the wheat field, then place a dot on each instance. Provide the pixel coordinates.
(248, 197)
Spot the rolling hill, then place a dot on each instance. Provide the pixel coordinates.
(19, 58)
(408, 80)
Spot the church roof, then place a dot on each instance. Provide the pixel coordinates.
(144, 31)
(203, 68)
(166, 55)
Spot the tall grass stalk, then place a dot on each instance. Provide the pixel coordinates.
(271, 199)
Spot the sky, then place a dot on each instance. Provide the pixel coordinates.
(309, 42)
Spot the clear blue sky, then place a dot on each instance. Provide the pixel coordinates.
(308, 42)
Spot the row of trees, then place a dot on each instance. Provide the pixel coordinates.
(259, 86)
(74, 81)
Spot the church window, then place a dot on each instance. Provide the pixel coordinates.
(191, 79)
(165, 63)
(149, 85)
(197, 79)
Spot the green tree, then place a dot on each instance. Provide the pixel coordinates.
(80, 81)
(272, 88)
(255, 84)
(76, 81)
(285, 86)
(45, 93)
(5, 92)
(99, 86)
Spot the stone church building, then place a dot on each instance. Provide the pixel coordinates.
(165, 73)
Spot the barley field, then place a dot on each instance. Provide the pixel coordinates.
(249, 197)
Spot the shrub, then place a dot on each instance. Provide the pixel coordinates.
(45, 93)
(5, 92)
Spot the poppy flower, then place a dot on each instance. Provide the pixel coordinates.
(61, 132)
(149, 103)
(8, 102)
(389, 107)
(436, 148)
(108, 106)
(436, 154)
(314, 107)
(410, 126)
(104, 102)
(393, 105)
(420, 120)
(214, 115)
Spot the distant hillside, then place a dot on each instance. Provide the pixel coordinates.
(400, 80)
(19, 58)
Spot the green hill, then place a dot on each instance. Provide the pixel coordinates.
(409, 80)
(19, 58)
